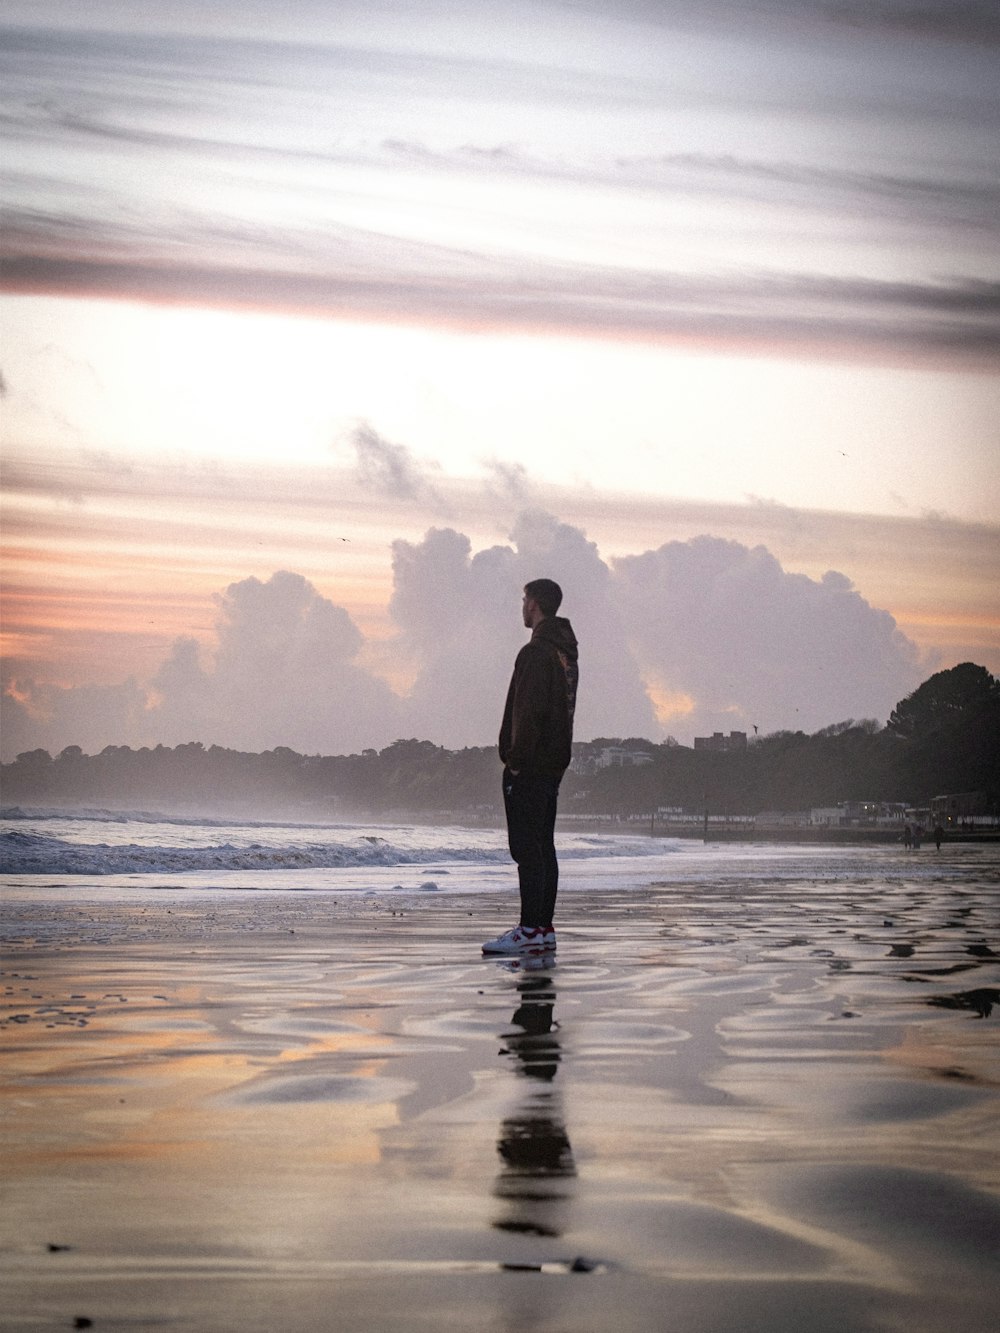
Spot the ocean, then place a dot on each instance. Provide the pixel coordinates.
(108, 850)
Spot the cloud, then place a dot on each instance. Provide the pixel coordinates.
(819, 189)
(952, 20)
(283, 674)
(613, 699)
(415, 222)
(716, 626)
(974, 21)
(459, 621)
(751, 643)
(457, 617)
(48, 716)
(959, 317)
(390, 469)
(939, 577)
(507, 482)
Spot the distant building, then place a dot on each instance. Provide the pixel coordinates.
(858, 814)
(736, 740)
(959, 806)
(588, 758)
(827, 816)
(891, 813)
(616, 756)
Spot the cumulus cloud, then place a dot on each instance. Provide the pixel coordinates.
(46, 716)
(718, 630)
(613, 700)
(459, 621)
(751, 643)
(459, 625)
(284, 674)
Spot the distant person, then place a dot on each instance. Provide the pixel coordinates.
(536, 745)
(907, 836)
(938, 836)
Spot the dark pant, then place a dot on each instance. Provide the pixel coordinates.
(530, 802)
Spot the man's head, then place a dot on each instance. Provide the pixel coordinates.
(542, 598)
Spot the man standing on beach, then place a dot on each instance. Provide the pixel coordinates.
(536, 739)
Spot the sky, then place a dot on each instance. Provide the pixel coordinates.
(326, 326)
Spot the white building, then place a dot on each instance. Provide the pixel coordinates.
(616, 756)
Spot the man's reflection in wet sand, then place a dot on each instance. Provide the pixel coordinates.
(533, 1145)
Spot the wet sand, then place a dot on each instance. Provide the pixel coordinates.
(764, 1109)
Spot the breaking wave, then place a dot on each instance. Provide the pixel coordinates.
(189, 847)
(32, 853)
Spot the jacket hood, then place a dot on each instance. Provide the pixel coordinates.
(559, 632)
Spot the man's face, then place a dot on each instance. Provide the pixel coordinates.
(528, 608)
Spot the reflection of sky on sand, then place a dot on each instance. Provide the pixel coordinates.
(747, 1105)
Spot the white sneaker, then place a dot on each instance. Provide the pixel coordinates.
(523, 939)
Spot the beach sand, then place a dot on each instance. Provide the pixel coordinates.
(719, 1109)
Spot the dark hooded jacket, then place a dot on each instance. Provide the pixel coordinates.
(536, 735)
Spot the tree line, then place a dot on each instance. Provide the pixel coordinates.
(943, 738)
